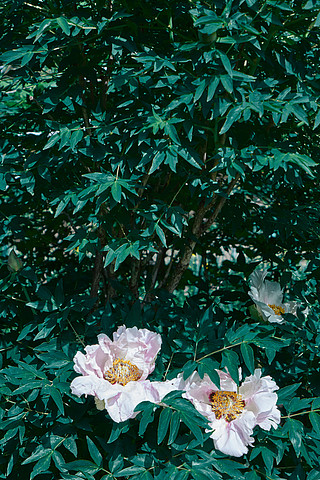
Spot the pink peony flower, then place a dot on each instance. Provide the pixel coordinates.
(115, 372)
(233, 411)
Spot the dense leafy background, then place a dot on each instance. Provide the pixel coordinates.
(152, 155)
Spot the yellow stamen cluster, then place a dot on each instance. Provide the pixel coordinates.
(226, 405)
(277, 309)
(122, 372)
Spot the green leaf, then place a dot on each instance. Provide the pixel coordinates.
(315, 421)
(29, 386)
(212, 88)
(230, 360)
(63, 24)
(41, 466)
(174, 427)
(147, 416)
(316, 121)
(12, 55)
(62, 205)
(116, 191)
(76, 137)
(248, 356)
(71, 445)
(203, 473)
(117, 429)
(94, 452)
(39, 453)
(44, 25)
(225, 62)
(157, 161)
(26, 58)
(53, 139)
(131, 470)
(210, 23)
(161, 234)
(164, 420)
(233, 115)
(200, 89)
(189, 158)
(57, 398)
(287, 392)
(195, 429)
(189, 368)
(181, 475)
(227, 83)
(252, 476)
(82, 466)
(295, 430)
(209, 366)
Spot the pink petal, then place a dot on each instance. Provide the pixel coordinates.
(234, 437)
(121, 401)
(140, 347)
(91, 363)
(258, 393)
(86, 385)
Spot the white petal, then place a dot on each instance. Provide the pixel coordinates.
(264, 293)
(268, 314)
(271, 293)
(257, 277)
(139, 346)
(260, 399)
(91, 363)
(163, 388)
(233, 438)
(270, 419)
(121, 401)
(86, 385)
(226, 382)
(257, 383)
(197, 390)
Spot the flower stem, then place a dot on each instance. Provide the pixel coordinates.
(167, 369)
(300, 413)
(221, 350)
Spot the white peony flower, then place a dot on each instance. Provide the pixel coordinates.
(268, 297)
(233, 411)
(115, 372)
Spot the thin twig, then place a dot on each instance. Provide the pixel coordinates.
(168, 270)
(221, 203)
(135, 271)
(221, 350)
(168, 366)
(154, 276)
(76, 334)
(300, 413)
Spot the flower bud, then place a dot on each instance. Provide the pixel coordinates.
(14, 262)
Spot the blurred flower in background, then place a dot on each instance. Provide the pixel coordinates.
(268, 297)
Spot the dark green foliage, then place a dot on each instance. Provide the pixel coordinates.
(152, 155)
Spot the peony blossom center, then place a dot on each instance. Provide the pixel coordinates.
(226, 405)
(122, 372)
(277, 309)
